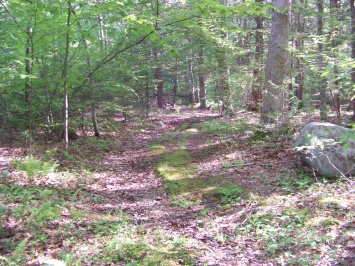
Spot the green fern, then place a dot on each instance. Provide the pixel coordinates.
(18, 257)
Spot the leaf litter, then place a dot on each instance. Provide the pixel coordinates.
(268, 224)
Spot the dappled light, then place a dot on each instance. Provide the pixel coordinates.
(207, 195)
(185, 132)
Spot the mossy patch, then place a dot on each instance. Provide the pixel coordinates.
(157, 149)
(181, 179)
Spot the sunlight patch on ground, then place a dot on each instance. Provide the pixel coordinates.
(181, 179)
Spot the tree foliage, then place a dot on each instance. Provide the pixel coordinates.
(112, 46)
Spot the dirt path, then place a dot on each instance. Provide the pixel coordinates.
(127, 180)
(131, 184)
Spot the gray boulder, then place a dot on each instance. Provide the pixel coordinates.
(319, 147)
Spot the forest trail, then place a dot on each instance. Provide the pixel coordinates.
(131, 183)
(187, 188)
(137, 189)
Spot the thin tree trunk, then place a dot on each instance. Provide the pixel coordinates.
(201, 79)
(91, 86)
(255, 97)
(322, 83)
(352, 6)
(334, 88)
(299, 43)
(102, 35)
(176, 81)
(65, 77)
(160, 88)
(28, 85)
(191, 82)
(147, 96)
(93, 106)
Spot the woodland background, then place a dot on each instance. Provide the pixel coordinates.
(160, 132)
(100, 58)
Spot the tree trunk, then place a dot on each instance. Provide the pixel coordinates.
(147, 96)
(255, 97)
(65, 77)
(160, 81)
(335, 86)
(274, 107)
(352, 5)
(102, 35)
(191, 82)
(322, 82)
(91, 85)
(201, 79)
(299, 44)
(93, 107)
(223, 87)
(28, 85)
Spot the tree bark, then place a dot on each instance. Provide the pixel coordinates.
(191, 80)
(65, 77)
(91, 85)
(28, 85)
(255, 97)
(299, 44)
(352, 6)
(201, 79)
(335, 86)
(274, 107)
(160, 82)
(176, 81)
(147, 95)
(322, 83)
(223, 84)
(102, 35)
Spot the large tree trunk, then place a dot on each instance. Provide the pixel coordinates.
(274, 108)
(322, 81)
(255, 97)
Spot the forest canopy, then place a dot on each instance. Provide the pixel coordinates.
(117, 56)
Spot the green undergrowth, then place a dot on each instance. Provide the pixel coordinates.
(53, 172)
(296, 219)
(175, 138)
(223, 128)
(311, 226)
(33, 166)
(84, 154)
(37, 217)
(130, 244)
